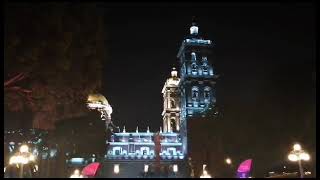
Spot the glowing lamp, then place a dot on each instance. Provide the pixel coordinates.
(293, 157)
(24, 149)
(297, 147)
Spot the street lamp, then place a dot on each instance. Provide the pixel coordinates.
(205, 174)
(21, 158)
(76, 174)
(298, 154)
(228, 161)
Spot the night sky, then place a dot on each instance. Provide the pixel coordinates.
(265, 54)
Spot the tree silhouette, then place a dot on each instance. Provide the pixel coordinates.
(54, 54)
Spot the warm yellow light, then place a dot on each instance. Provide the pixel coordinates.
(304, 156)
(228, 161)
(24, 148)
(297, 147)
(293, 157)
(13, 160)
(76, 172)
(205, 174)
(24, 160)
(32, 158)
(307, 173)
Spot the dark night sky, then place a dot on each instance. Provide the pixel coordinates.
(265, 54)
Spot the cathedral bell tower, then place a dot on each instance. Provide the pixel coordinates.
(171, 103)
(198, 78)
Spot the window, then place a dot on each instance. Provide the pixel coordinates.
(205, 70)
(195, 93)
(204, 59)
(194, 68)
(193, 56)
(173, 104)
(207, 92)
(173, 125)
(117, 151)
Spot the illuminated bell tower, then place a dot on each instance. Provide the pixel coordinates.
(197, 78)
(171, 103)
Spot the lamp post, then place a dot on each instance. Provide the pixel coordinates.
(21, 158)
(298, 154)
(228, 161)
(230, 167)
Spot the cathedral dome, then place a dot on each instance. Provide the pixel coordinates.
(97, 98)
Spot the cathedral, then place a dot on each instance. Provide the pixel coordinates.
(191, 92)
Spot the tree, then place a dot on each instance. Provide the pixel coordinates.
(54, 54)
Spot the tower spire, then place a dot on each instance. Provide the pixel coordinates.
(194, 22)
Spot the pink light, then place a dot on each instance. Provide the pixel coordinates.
(91, 169)
(245, 166)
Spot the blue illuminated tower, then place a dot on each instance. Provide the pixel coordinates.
(197, 78)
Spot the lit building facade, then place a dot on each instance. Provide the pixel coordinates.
(131, 154)
(197, 84)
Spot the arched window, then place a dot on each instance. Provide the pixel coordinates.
(193, 56)
(194, 68)
(172, 103)
(205, 65)
(195, 93)
(205, 69)
(207, 93)
(173, 125)
(204, 59)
